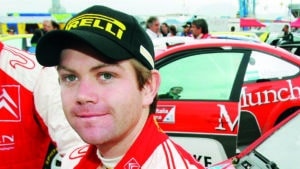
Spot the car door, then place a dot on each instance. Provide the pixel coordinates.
(204, 118)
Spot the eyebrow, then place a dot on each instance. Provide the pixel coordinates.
(103, 65)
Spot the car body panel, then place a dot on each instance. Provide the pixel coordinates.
(279, 148)
(246, 36)
(232, 99)
(212, 114)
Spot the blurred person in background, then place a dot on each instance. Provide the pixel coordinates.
(164, 29)
(232, 29)
(173, 31)
(48, 25)
(287, 35)
(200, 29)
(34, 132)
(173, 93)
(153, 27)
(11, 31)
(187, 29)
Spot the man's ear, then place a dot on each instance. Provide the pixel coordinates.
(151, 87)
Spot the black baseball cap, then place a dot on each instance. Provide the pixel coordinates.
(187, 24)
(112, 33)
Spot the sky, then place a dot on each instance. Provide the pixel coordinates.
(264, 8)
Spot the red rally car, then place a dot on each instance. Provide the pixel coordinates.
(217, 95)
(277, 148)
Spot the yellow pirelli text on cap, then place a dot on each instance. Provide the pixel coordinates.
(102, 22)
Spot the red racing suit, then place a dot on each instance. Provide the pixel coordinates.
(26, 107)
(153, 149)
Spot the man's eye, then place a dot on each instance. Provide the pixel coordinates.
(106, 76)
(70, 78)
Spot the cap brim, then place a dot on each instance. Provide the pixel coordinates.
(51, 44)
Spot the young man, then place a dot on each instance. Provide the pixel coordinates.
(32, 124)
(287, 35)
(187, 29)
(109, 85)
(200, 29)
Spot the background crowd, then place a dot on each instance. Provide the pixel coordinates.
(197, 29)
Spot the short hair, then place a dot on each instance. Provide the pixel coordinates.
(201, 23)
(143, 75)
(164, 23)
(173, 29)
(286, 26)
(55, 24)
(150, 21)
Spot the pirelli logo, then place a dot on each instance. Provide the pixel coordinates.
(102, 22)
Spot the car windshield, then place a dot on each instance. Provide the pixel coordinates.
(283, 146)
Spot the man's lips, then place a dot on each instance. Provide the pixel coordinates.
(90, 111)
(90, 115)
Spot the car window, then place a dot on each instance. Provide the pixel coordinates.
(205, 76)
(265, 66)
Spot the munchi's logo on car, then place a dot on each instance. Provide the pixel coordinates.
(225, 115)
(285, 93)
(104, 23)
(9, 103)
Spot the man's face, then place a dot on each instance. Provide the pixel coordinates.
(47, 26)
(187, 29)
(101, 101)
(155, 26)
(196, 31)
